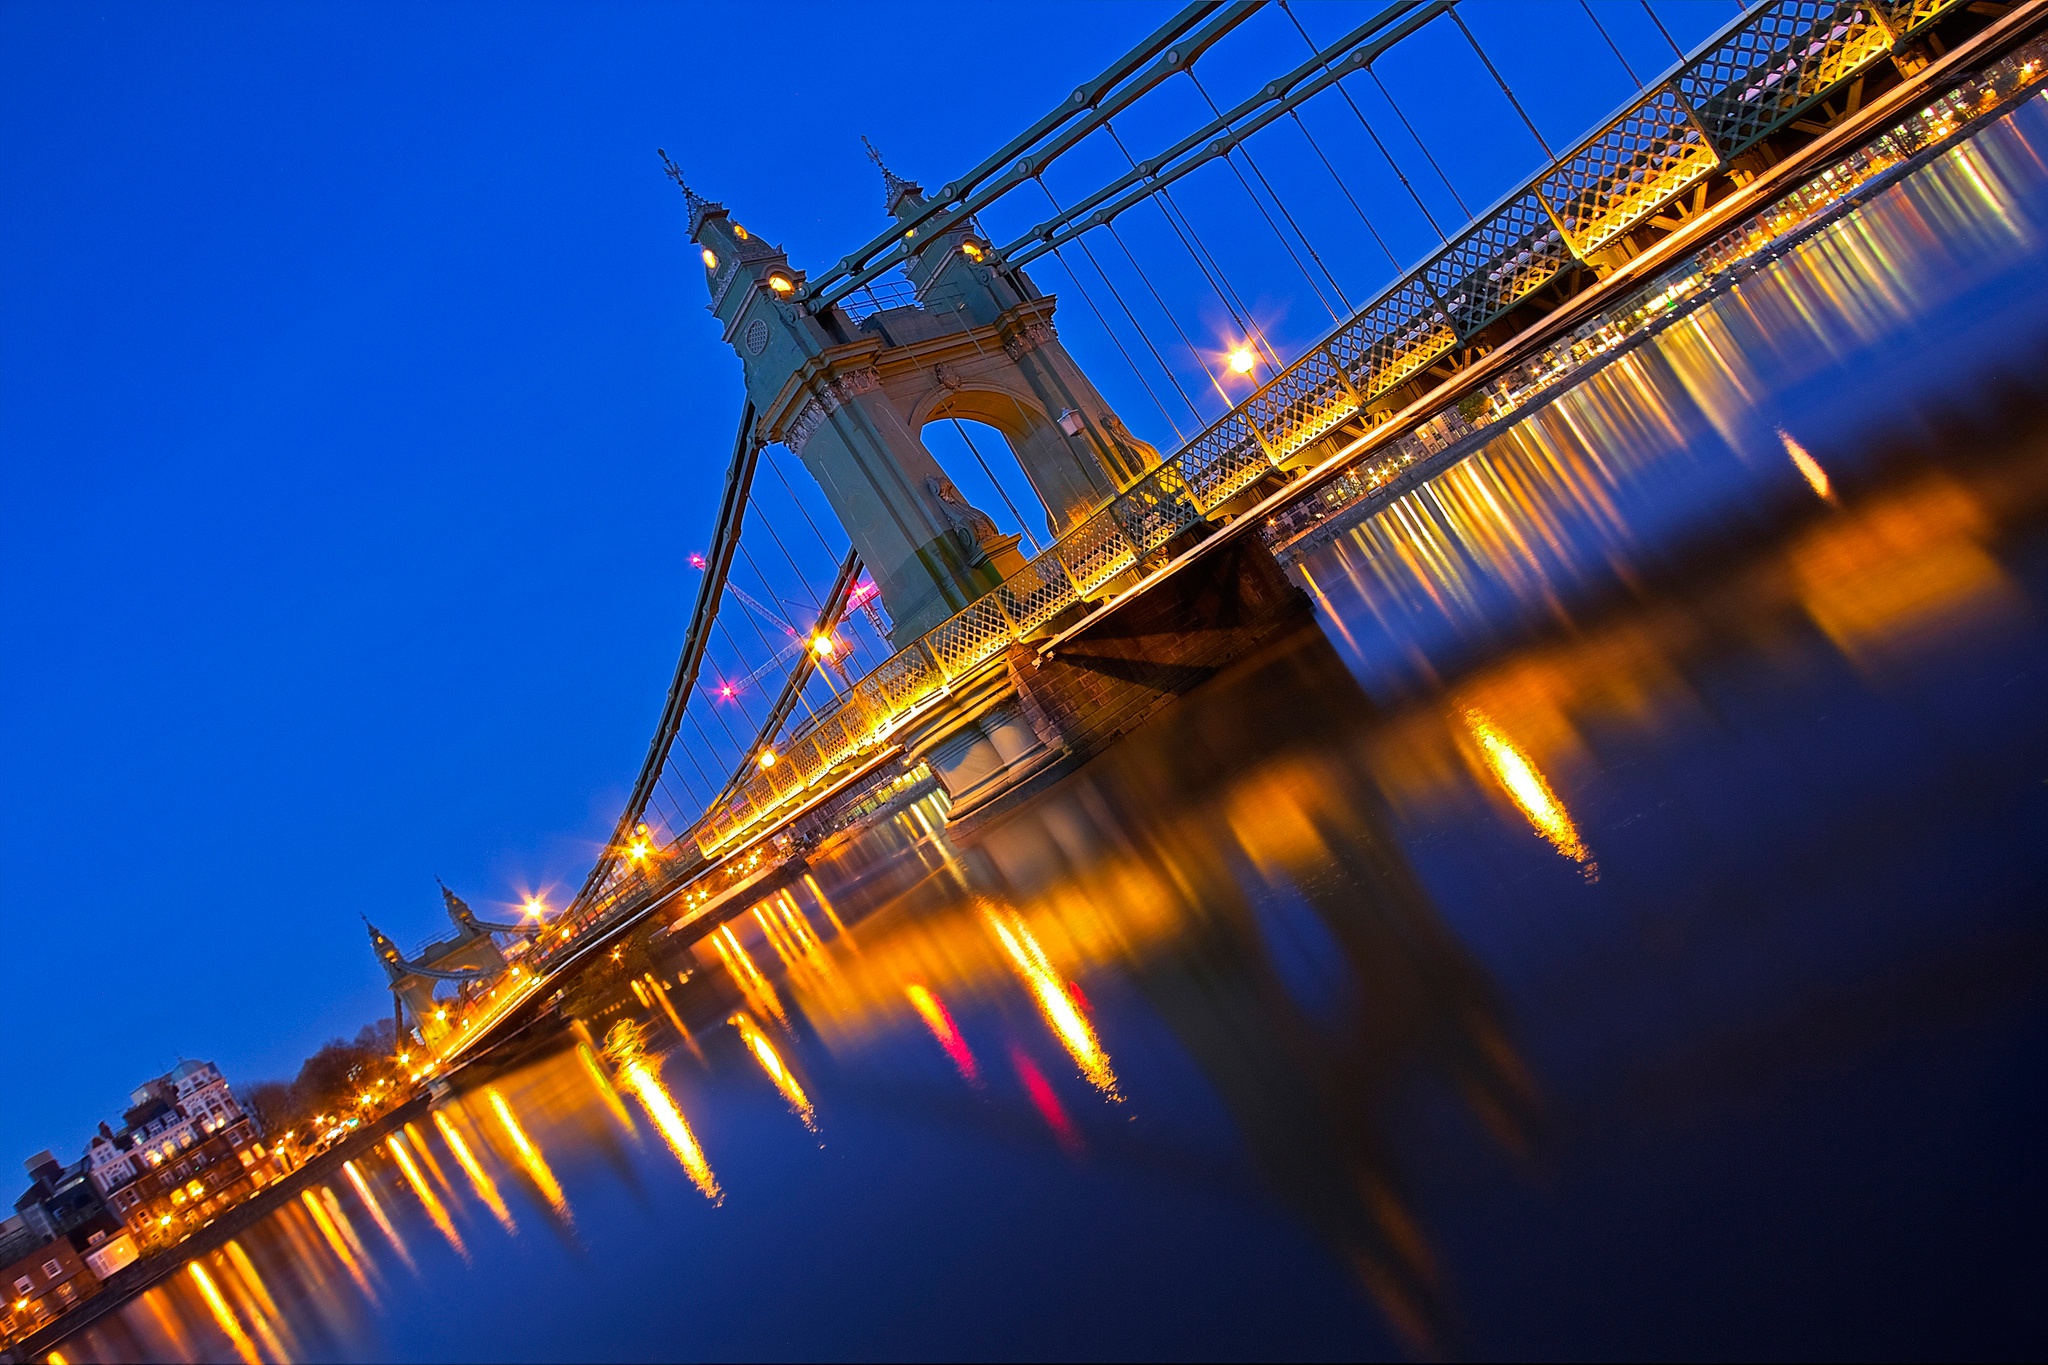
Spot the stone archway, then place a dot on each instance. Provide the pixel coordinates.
(1061, 469)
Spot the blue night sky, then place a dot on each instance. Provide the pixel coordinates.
(359, 411)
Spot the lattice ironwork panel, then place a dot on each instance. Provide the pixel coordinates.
(1305, 400)
(1627, 170)
(1156, 508)
(1908, 16)
(1037, 592)
(1393, 339)
(1222, 462)
(1484, 273)
(1782, 58)
(1095, 552)
(836, 742)
(969, 637)
(802, 755)
(899, 683)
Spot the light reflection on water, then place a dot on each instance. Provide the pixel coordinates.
(1753, 617)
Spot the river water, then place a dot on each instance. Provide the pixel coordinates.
(1616, 928)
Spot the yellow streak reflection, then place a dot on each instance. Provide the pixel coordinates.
(623, 1045)
(344, 1248)
(1525, 786)
(1054, 1000)
(263, 1308)
(529, 1156)
(1808, 467)
(223, 1314)
(826, 905)
(486, 1188)
(771, 1062)
(426, 1155)
(668, 1008)
(435, 1209)
(605, 1089)
(377, 1212)
(167, 1320)
(752, 985)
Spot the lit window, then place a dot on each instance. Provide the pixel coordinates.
(23, 1285)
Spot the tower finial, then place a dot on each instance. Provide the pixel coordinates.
(697, 202)
(894, 186)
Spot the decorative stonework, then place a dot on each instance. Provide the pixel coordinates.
(948, 377)
(1029, 338)
(829, 400)
(757, 336)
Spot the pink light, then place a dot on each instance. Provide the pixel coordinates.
(1045, 1101)
(696, 561)
(726, 691)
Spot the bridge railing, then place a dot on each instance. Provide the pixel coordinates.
(1754, 77)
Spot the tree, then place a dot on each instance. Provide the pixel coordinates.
(275, 1110)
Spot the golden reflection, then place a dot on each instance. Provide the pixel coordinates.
(530, 1159)
(222, 1314)
(1808, 467)
(426, 1155)
(1526, 787)
(818, 895)
(479, 1179)
(436, 1210)
(623, 1045)
(1054, 997)
(753, 986)
(167, 1320)
(1909, 567)
(771, 1062)
(345, 1248)
(369, 1199)
(605, 1089)
(676, 1020)
(264, 1313)
(933, 1011)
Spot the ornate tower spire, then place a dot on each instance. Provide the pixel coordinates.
(699, 205)
(895, 189)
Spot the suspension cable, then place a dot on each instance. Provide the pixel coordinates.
(1082, 242)
(1421, 146)
(1663, 30)
(787, 557)
(1366, 124)
(1244, 149)
(776, 465)
(1153, 289)
(794, 633)
(1158, 359)
(1487, 62)
(1184, 228)
(1586, 5)
(1001, 492)
(1374, 232)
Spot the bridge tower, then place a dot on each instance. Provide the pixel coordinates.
(850, 397)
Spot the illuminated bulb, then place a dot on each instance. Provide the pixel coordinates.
(1242, 360)
(767, 758)
(823, 645)
(780, 284)
(710, 259)
(534, 907)
(972, 250)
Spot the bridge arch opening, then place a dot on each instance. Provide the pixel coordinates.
(978, 456)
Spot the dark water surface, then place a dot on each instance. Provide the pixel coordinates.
(1618, 929)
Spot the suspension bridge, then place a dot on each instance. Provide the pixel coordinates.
(863, 631)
